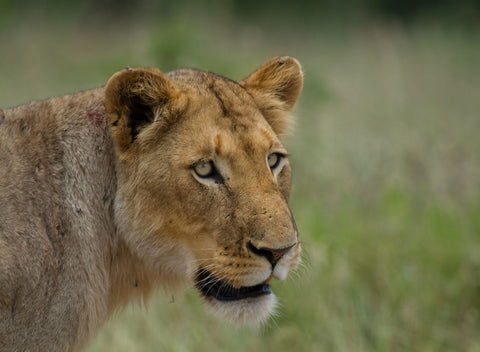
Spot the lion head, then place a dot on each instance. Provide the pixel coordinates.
(203, 180)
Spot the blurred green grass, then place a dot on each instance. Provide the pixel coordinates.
(386, 175)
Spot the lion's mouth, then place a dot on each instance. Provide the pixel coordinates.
(210, 286)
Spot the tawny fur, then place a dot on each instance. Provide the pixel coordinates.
(99, 202)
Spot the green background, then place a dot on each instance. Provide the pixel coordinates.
(385, 154)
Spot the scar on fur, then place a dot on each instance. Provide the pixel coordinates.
(97, 119)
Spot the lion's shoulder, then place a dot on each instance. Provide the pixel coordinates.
(57, 182)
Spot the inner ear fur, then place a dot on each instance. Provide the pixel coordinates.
(133, 99)
(276, 87)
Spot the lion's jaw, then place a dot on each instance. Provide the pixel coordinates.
(251, 304)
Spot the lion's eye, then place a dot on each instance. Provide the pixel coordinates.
(273, 160)
(207, 173)
(204, 170)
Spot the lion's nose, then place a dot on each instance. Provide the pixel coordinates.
(272, 255)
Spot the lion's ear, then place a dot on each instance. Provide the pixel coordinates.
(133, 99)
(275, 87)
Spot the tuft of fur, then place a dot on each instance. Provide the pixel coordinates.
(100, 203)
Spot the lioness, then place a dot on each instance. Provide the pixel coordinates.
(157, 179)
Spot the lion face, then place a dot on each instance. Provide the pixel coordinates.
(203, 180)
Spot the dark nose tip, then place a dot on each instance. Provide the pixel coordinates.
(272, 255)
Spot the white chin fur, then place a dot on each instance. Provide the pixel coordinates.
(248, 311)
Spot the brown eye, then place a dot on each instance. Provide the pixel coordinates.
(273, 160)
(204, 169)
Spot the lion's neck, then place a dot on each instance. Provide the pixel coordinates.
(129, 278)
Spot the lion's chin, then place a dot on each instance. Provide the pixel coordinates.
(252, 311)
(249, 305)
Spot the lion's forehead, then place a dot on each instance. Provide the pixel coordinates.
(223, 117)
(208, 88)
(227, 138)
